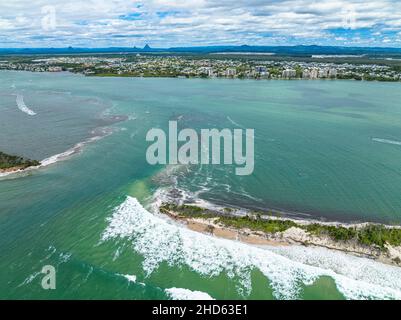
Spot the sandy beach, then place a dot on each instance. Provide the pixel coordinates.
(206, 227)
(12, 170)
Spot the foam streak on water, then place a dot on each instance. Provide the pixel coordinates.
(185, 294)
(62, 156)
(398, 143)
(158, 240)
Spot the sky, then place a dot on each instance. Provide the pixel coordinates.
(165, 23)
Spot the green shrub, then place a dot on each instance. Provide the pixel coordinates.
(338, 233)
(9, 161)
(268, 226)
(370, 235)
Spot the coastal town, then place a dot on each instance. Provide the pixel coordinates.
(223, 66)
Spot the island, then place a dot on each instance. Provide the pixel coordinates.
(371, 240)
(11, 163)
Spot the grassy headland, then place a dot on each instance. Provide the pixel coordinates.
(367, 235)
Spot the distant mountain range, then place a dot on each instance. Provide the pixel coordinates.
(281, 50)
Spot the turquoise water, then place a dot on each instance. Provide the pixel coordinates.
(323, 149)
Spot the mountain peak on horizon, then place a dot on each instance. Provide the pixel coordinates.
(147, 47)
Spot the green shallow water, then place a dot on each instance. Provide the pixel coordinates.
(321, 150)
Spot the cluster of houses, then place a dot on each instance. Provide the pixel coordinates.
(183, 66)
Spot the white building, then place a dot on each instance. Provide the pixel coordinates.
(289, 73)
(333, 73)
(261, 70)
(231, 72)
(306, 74)
(207, 70)
(323, 73)
(314, 73)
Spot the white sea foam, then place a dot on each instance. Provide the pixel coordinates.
(234, 123)
(5, 174)
(74, 150)
(62, 156)
(29, 279)
(68, 153)
(398, 143)
(180, 196)
(361, 270)
(158, 241)
(130, 278)
(185, 294)
(22, 106)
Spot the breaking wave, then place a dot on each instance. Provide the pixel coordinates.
(159, 240)
(185, 294)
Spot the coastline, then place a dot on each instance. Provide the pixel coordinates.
(116, 75)
(294, 235)
(90, 198)
(18, 170)
(10, 164)
(95, 135)
(77, 148)
(12, 170)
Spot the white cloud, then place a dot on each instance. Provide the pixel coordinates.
(183, 22)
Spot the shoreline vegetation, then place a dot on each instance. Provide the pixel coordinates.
(178, 76)
(131, 75)
(13, 163)
(376, 241)
(233, 66)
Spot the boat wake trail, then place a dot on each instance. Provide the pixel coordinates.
(22, 106)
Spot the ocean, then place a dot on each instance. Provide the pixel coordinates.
(325, 150)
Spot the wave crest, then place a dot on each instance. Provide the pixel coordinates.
(159, 240)
(185, 294)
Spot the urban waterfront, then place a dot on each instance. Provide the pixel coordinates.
(224, 65)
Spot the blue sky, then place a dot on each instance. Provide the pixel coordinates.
(164, 23)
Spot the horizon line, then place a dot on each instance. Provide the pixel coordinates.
(207, 46)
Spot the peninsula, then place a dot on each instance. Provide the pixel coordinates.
(375, 241)
(11, 163)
